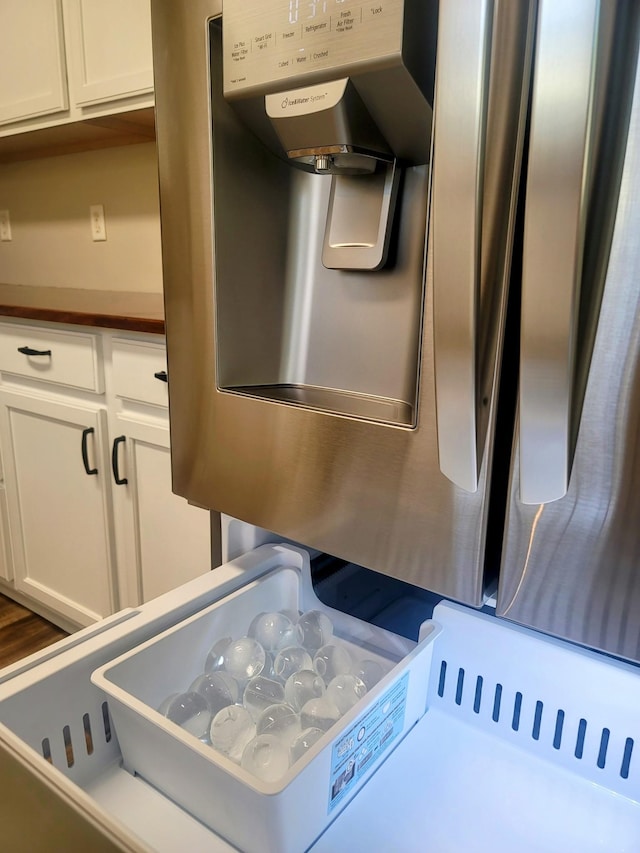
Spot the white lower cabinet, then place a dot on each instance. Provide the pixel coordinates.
(86, 505)
(164, 540)
(58, 501)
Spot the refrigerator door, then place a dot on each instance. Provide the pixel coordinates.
(572, 541)
(308, 465)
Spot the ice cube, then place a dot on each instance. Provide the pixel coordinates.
(191, 712)
(291, 659)
(280, 720)
(314, 629)
(302, 686)
(231, 730)
(261, 692)
(266, 757)
(244, 658)
(215, 658)
(319, 713)
(273, 631)
(345, 691)
(332, 660)
(303, 742)
(368, 671)
(218, 688)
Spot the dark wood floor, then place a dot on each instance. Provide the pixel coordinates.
(22, 632)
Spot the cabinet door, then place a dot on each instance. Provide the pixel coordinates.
(110, 49)
(6, 562)
(164, 538)
(33, 81)
(59, 513)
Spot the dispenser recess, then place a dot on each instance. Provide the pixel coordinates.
(321, 141)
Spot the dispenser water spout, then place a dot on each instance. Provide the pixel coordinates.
(323, 164)
(327, 129)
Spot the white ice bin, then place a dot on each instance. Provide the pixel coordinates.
(256, 816)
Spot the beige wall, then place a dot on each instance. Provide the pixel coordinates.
(48, 202)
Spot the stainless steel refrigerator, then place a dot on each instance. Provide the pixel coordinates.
(359, 356)
(401, 264)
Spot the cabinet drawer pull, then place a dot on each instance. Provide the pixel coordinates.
(120, 481)
(31, 351)
(162, 376)
(85, 453)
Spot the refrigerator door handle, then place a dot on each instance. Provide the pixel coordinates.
(464, 51)
(554, 230)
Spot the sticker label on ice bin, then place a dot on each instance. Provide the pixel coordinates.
(357, 749)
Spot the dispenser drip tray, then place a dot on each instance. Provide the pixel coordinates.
(336, 401)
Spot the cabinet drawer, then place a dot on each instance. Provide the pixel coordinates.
(138, 368)
(65, 358)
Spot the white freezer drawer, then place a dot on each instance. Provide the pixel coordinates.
(475, 773)
(50, 704)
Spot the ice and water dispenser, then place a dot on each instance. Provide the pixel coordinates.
(321, 117)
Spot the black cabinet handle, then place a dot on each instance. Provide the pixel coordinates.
(85, 454)
(31, 351)
(162, 376)
(120, 481)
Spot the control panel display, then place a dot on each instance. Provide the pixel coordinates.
(268, 41)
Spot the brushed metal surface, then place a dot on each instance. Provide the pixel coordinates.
(285, 319)
(464, 51)
(368, 492)
(327, 116)
(558, 181)
(359, 222)
(571, 567)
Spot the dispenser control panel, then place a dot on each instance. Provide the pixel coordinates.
(268, 41)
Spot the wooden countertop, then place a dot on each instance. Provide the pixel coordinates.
(135, 312)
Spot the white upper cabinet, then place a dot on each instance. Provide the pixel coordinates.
(68, 60)
(34, 78)
(109, 49)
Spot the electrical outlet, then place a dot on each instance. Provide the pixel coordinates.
(98, 229)
(5, 226)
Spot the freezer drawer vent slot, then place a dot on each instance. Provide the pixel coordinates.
(557, 734)
(497, 699)
(582, 728)
(106, 722)
(498, 711)
(68, 746)
(517, 705)
(88, 738)
(70, 738)
(541, 694)
(442, 679)
(46, 750)
(477, 699)
(626, 758)
(537, 720)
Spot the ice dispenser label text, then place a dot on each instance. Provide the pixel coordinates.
(358, 748)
